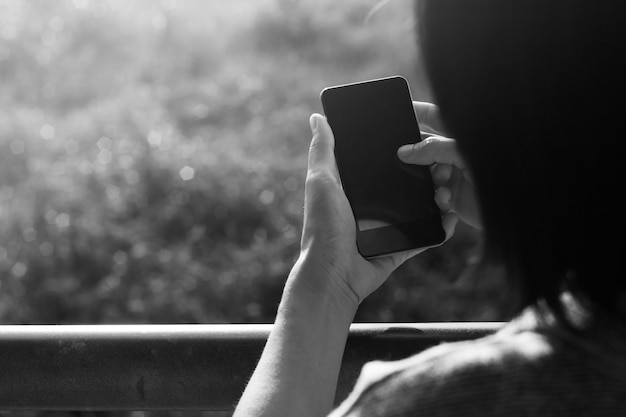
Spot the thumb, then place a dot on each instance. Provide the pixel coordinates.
(322, 149)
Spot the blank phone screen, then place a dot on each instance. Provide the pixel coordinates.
(370, 122)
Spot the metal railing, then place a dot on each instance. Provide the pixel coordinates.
(174, 367)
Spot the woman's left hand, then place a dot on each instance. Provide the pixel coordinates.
(298, 371)
(329, 235)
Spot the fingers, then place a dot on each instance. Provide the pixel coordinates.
(434, 149)
(322, 149)
(457, 197)
(428, 117)
(441, 173)
(443, 198)
(389, 263)
(466, 206)
(449, 222)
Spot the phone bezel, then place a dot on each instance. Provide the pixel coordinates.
(394, 238)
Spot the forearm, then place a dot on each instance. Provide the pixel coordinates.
(297, 373)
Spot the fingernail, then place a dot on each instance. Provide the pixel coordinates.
(313, 123)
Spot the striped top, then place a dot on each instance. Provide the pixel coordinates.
(529, 368)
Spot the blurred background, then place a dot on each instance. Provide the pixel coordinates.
(153, 153)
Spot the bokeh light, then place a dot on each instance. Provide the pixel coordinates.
(152, 157)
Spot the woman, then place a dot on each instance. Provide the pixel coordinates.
(532, 92)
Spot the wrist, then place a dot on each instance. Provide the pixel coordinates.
(314, 289)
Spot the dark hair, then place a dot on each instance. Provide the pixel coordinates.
(533, 91)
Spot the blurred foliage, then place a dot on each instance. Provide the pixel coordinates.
(152, 158)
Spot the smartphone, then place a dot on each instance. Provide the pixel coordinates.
(392, 202)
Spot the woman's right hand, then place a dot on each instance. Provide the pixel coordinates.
(454, 186)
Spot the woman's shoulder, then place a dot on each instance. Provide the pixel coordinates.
(523, 367)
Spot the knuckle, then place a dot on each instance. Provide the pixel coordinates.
(319, 177)
(318, 143)
(427, 147)
(429, 142)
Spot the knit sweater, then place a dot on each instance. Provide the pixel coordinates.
(529, 368)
